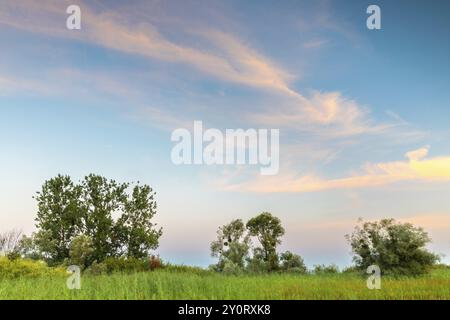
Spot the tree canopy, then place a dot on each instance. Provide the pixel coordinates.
(397, 248)
(116, 222)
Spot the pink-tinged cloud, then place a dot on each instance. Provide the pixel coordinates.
(222, 56)
(416, 168)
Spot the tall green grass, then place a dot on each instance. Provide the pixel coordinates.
(170, 284)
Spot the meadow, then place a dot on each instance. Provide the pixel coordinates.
(204, 285)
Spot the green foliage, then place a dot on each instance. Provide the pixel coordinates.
(268, 230)
(58, 217)
(353, 270)
(100, 198)
(134, 230)
(81, 251)
(29, 249)
(397, 248)
(18, 268)
(67, 210)
(256, 263)
(129, 265)
(292, 262)
(231, 246)
(177, 268)
(96, 269)
(232, 268)
(326, 269)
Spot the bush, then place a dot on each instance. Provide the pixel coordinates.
(291, 262)
(352, 270)
(396, 248)
(27, 268)
(154, 262)
(81, 251)
(257, 265)
(13, 255)
(188, 269)
(124, 265)
(324, 269)
(232, 268)
(96, 269)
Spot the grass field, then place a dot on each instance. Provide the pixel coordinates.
(164, 284)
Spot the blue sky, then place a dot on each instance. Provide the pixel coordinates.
(363, 114)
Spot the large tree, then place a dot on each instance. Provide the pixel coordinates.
(59, 217)
(396, 248)
(116, 222)
(100, 199)
(135, 234)
(268, 230)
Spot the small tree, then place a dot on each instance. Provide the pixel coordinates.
(397, 248)
(292, 262)
(231, 246)
(29, 249)
(10, 242)
(268, 230)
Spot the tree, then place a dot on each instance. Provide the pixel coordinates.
(81, 251)
(268, 230)
(396, 248)
(58, 217)
(292, 262)
(135, 234)
(100, 198)
(231, 246)
(116, 222)
(10, 242)
(29, 249)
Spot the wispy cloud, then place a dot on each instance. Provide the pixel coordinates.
(11, 84)
(222, 56)
(417, 167)
(225, 57)
(315, 43)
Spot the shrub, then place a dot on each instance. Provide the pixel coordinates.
(397, 248)
(257, 265)
(324, 269)
(154, 262)
(232, 268)
(123, 264)
(13, 255)
(352, 270)
(96, 269)
(81, 251)
(27, 268)
(188, 269)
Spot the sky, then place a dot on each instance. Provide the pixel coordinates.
(363, 114)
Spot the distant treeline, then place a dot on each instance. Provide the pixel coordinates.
(102, 225)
